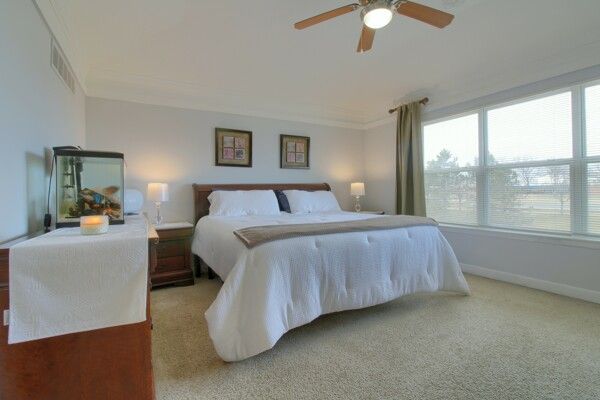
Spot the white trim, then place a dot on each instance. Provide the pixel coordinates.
(538, 237)
(482, 187)
(547, 286)
(578, 172)
(588, 84)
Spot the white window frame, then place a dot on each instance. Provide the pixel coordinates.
(577, 163)
(584, 158)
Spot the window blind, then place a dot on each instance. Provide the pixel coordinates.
(533, 193)
(536, 198)
(450, 150)
(533, 130)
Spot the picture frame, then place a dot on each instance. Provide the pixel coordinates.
(294, 152)
(233, 148)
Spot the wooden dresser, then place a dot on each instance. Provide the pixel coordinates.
(111, 363)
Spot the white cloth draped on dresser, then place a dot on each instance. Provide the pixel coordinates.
(63, 282)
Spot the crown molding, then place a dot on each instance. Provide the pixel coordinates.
(61, 31)
(379, 122)
(109, 84)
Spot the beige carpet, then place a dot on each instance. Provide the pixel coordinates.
(503, 342)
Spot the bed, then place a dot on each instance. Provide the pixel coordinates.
(277, 286)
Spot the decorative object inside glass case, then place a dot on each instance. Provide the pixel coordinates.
(88, 183)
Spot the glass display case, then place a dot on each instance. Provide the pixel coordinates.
(88, 183)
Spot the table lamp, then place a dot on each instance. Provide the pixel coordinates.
(357, 189)
(158, 192)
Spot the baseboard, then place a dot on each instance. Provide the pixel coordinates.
(553, 287)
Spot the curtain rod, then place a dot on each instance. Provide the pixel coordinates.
(423, 101)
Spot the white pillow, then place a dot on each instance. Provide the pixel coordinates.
(303, 202)
(243, 202)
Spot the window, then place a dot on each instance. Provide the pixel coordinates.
(450, 151)
(528, 188)
(526, 165)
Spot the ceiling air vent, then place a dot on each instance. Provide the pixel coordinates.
(61, 67)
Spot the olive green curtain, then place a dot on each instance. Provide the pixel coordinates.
(410, 188)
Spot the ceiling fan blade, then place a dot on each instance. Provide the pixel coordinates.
(366, 39)
(431, 16)
(325, 16)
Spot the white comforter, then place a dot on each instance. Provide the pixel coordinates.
(280, 285)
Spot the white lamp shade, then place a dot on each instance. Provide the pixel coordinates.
(357, 189)
(158, 192)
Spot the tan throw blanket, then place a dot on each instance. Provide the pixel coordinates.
(257, 235)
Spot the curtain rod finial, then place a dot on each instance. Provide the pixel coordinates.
(423, 101)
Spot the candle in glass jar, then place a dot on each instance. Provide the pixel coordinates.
(93, 224)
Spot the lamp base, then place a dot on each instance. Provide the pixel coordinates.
(158, 219)
(357, 203)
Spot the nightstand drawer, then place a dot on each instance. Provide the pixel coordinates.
(170, 248)
(171, 263)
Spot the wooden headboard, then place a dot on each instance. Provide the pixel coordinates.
(201, 192)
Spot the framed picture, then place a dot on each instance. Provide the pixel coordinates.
(294, 152)
(233, 148)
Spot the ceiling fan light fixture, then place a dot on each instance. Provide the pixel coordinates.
(377, 14)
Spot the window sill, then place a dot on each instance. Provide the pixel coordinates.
(554, 239)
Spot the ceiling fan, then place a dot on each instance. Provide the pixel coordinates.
(376, 14)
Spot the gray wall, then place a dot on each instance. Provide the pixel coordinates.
(380, 168)
(176, 146)
(37, 111)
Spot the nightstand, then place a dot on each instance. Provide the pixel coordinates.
(372, 212)
(173, 255)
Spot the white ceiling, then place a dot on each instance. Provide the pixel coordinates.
(245, 57)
